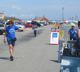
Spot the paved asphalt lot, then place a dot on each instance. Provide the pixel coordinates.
(32, 54)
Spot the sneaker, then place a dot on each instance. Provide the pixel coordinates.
(11, 58)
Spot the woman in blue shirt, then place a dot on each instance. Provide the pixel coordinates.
(10, 36)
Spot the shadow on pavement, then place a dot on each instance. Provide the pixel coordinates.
(51, 44)
(4, 58)
(54, 61)
(48, 43)
(28, 37)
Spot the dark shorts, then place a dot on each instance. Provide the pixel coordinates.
(71, 38)
(11, 41)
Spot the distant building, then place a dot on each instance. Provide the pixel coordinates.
(2, 15)
(41, 19)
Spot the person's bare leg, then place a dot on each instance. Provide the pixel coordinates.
(11, 50)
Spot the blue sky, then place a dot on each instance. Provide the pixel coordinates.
(35, 8)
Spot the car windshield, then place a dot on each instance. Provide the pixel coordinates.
(18, 23)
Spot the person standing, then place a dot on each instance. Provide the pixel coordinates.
(10, 37)
(78, 40)
(73, 32)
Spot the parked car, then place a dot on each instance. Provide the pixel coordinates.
(1, 29)
(28, 25)
(21, 26)
(36, 23)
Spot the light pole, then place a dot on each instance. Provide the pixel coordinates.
(62, 13)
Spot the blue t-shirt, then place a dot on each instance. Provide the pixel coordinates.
(73, 33)
(10, 31)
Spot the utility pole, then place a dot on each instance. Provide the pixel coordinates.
(62, 13)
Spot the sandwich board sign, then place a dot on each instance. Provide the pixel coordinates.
(54, 37)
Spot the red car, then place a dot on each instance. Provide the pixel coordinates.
(28, 25)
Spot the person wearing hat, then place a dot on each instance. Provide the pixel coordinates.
(10, 37)
(72, 32)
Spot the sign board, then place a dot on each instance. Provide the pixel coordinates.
(54, 37)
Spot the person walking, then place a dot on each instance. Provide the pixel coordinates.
(72, 32)
(34, 27)
(35, 32)
(10, 37)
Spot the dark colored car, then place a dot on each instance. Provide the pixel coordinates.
(35, 23)
(1, 29)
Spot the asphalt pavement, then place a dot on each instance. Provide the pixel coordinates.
(32, 54)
